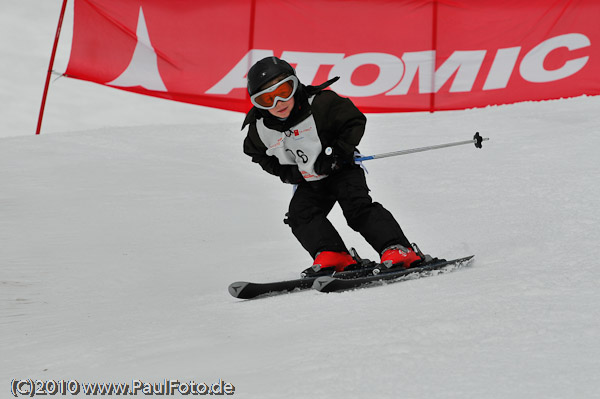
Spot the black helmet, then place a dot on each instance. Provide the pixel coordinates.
(266, 70)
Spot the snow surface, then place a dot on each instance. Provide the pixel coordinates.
(122, 225)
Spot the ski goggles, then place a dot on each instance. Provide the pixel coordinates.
(280, 91)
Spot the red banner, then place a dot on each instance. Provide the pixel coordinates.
(412, 55)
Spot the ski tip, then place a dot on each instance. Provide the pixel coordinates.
(236, 289)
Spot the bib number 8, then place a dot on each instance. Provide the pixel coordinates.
(299, 154)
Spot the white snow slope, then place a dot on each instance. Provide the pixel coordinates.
(117, 244)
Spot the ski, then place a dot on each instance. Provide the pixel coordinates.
(249, 290)
(334, 284)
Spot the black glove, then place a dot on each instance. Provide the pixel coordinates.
(291, 175)
(331, 160)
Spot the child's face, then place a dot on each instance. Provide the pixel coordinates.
(282, 109)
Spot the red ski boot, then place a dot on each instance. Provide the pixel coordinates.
(399, 256)
(328, 262)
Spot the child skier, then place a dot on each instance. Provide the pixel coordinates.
(307, 136)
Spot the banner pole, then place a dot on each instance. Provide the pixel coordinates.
(434, 34)
(46, 86)
(251, 38)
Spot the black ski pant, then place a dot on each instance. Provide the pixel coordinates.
(313, 201)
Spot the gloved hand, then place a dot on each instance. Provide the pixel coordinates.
(291, 175)
(331, 160)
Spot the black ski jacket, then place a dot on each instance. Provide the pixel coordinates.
(340, 125)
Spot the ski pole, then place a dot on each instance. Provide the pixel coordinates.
(477, 140)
